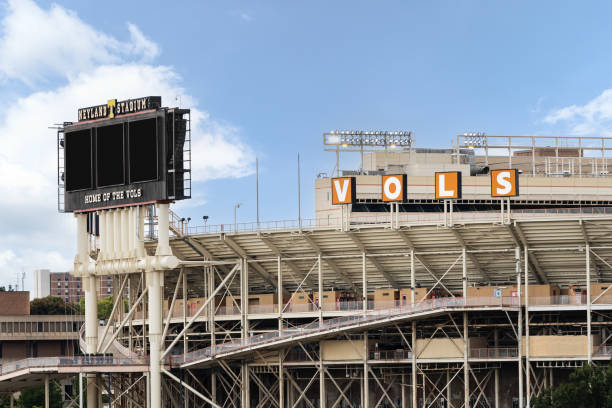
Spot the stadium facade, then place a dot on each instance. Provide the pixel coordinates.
(422, 282)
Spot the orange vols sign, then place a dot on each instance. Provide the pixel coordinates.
(343, 190)
(448, 185)
(394, 188)
(504, 183)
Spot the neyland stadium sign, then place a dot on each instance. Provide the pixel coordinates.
(114, 108)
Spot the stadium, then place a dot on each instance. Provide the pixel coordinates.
(470, 276)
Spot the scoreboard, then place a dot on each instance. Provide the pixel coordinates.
(125, 153)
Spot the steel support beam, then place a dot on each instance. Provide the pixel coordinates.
(236, 249)
(373, 260)
(331, 263)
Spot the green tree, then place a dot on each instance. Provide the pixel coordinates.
(51, 305)
(35, 397)
(588, 387)
(105, 307)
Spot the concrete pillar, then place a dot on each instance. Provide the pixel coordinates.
(366, 376)
(47, 405)
(213, 387)
(322, 393)
(414, 362)
(448, 388)
(517, 260)
(404, 396)
(364, 280)
(466, 366)
(154, 281)
(91, 333)
(117, 227)
(281, 381)
(320, 284)
(527, 361)
(279, 284)
(12, 401)
(184, 288)
(163, 235)
(245, 392)
(588, 290)
(412, 279)
(496, 383)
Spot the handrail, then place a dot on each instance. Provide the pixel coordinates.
(76, 361)
(181, 227)
(317, 328)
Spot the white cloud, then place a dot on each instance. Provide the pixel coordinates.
(37, 43)
(34, 235)
(594, 117)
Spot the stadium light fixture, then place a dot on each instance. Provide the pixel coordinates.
(378, 138)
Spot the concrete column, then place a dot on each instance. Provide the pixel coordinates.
(279, 284)
(527, 361)
(244, 298)
(448, 388)
(117, 227)
(320, 284)
(466, 367)
(281, 380)
(423, 390)
(184, 288)
(163, 224)
(91, 334)
(588, 290)
(213, 387)
(496, 383)
(412, 281)
(322, 393)
(464, 277)
(364, 282)
(245, 392)
(125, 233)
(12, 401)
(47, 405)
(155, 283)
(414, 362)
(404, 396)
(366, 386)
(517, 260)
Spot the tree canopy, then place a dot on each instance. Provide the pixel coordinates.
(588, 387)
(52, 305)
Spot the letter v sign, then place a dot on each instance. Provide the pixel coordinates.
(343, 190)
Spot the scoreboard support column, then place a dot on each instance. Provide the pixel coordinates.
(155, 282)
(91, 304)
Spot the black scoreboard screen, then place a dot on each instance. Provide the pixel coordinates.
(124, 160)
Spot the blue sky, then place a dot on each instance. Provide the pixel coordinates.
(267, 78)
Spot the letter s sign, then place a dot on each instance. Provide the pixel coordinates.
(504, 183)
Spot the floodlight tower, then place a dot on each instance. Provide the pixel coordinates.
(362, 141)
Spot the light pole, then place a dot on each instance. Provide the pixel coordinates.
(236, 207)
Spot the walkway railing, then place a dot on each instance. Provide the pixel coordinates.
(494, 352)
(356, 306)
(76, 361)
(185, 228)
(318, 328)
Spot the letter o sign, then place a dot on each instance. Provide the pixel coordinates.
(394, 188)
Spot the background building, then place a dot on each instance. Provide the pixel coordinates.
(42, 283)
